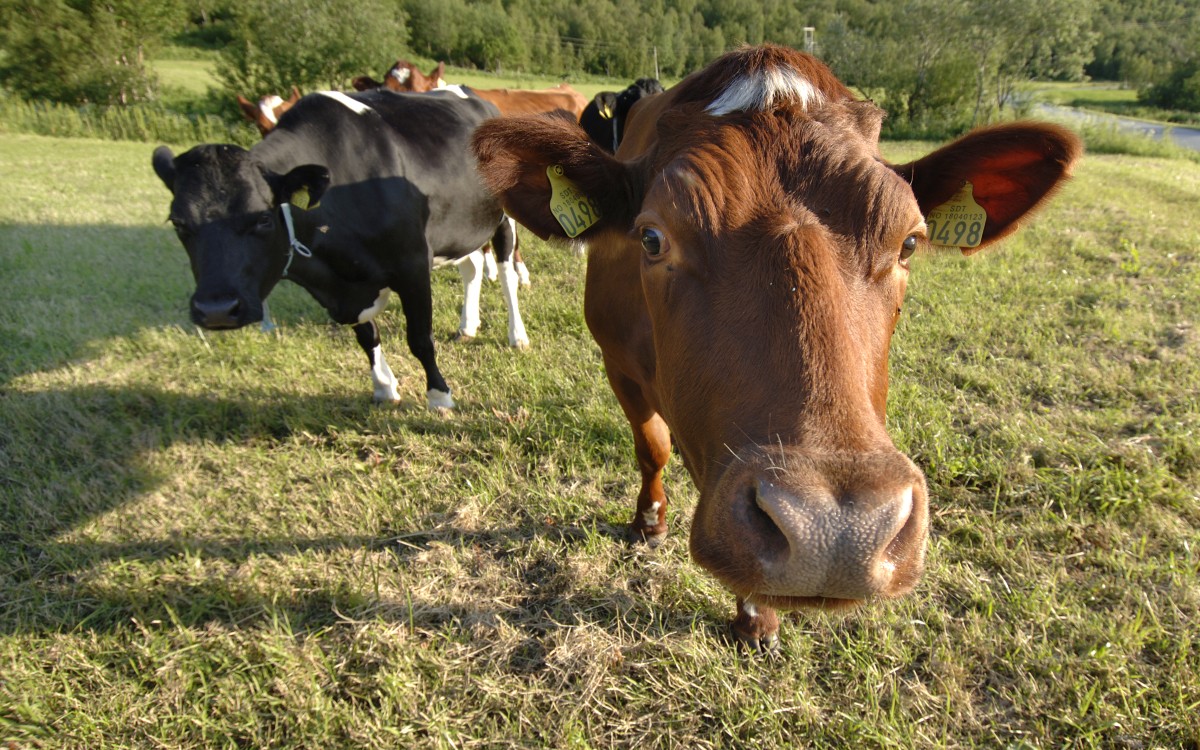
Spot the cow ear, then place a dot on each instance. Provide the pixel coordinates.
(308, 180)
(249, 110)
(514, 155)
(163, 162)
(1012, 169)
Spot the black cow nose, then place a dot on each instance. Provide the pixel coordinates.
(219, 313)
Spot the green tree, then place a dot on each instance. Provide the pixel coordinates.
(278, 44)
(81, 51)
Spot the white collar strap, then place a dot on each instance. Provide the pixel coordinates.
(295, 246)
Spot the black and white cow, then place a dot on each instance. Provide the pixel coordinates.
(603, 119)
(391, 189)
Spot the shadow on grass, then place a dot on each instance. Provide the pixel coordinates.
(74, 455)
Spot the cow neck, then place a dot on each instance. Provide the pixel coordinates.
(295, 246)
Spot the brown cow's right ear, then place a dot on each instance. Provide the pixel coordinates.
(163, 162)
(514, 154)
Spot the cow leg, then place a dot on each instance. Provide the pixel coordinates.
(504, 245)
(652, 446)
(518, 262)
(386, 385)
(471, 269)
(416, 297)
(756, 626)
(489, 264)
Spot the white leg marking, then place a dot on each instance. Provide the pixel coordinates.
(522, 274)
(471, 270)
(651, 516)
(516, 327)
(438, 399)
(489, 265)
(380, 303)
(383, 379)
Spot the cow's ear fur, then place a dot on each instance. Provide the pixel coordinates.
(163, 162)
(1012, 169)
(248, 108)
(514, 153)
(311, 177)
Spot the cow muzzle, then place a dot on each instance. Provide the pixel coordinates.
(795, 530)
(218, 313)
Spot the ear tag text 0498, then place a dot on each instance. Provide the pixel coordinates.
(574, 210)
(958, 222)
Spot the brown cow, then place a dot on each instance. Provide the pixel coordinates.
(265, 115)
(745, 275)
(404, 76)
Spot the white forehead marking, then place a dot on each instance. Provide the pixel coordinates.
(762, 90)
(400, 74)
(267, 106)
(357, 106)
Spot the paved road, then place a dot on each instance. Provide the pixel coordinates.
(1186, 137)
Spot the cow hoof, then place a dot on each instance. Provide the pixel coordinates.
(652, 538)
(462, 337)
(439, 400)
(765, 644)
(521, 345)
(757, 632)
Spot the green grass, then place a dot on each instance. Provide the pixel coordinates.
(215, 541)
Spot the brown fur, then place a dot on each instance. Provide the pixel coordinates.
(758, 338)
(254, 113)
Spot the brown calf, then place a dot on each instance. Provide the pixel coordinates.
(746, 270)
(265, 115)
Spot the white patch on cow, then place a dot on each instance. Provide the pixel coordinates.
(749, 609)
(489, 267)
(386, 385)
(400, 74)
(440, 83)
(650, 518)
(356, 106)
(759, 92)
(522, 273)
(438, 399)
(267, 106)
(455, 89)
(380, 303)
(471, 269)
(516, 327)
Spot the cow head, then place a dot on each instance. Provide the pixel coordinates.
(226, 213)
(744, 280)
(266, 113)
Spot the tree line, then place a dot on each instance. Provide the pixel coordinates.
(933, 64)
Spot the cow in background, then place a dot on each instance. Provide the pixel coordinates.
(604, 117)
(266, 113)
(352, 197)
(748, 254)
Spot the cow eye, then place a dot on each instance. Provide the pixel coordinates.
(180, 228)
(909, 247)
(266, 222)
(652, 241)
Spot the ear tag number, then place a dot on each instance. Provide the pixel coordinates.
(958, 222)
(574, 210)
(300, 199)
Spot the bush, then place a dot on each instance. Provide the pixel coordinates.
(1181, 89)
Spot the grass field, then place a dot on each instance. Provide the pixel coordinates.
(216, 541)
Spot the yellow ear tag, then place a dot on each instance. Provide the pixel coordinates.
(300, 199)
(574, 210)
(958, 222)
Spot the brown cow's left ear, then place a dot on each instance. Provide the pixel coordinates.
(514, 154)
(1012, 169)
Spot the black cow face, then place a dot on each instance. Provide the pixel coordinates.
(226, 213)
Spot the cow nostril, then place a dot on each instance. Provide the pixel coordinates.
(908, 543)
(770, 540)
